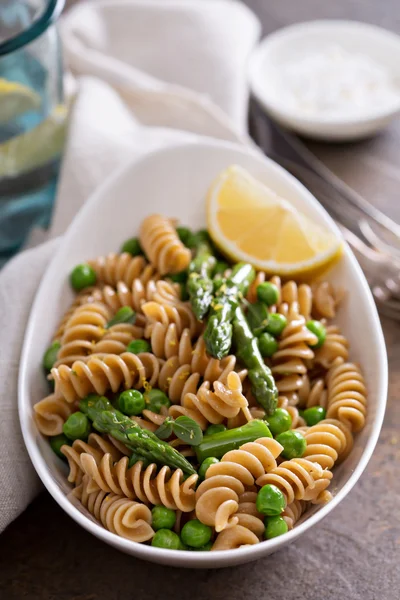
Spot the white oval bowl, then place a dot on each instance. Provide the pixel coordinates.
(297, 40)
(174, 182)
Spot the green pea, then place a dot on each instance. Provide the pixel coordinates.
(318, 330)
(155, 399)
(207, 462)
(270, 500)
(164, 538)
(183, 546)
(82, 276)
(195, 534)
(214, 429)
(293, 442)
(268, 293)
(50, 356)
(124, 315)
(131, 402)
(132, 246)
(279, 421)
(276, 324)
(56, 443)
(178, 277)
(205, 548)
(314, 415)
(267, 345)
(274, 526)
(138, 346)
(77, 427)
(220, 268)
(162, 517)
(184, 234)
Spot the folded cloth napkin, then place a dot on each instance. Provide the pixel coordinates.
(150, 73)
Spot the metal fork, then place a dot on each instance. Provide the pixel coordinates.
(372, 235)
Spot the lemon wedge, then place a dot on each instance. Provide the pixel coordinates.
(16, 99)
(250, 222)
(36, 147)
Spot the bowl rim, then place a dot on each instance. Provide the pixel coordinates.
(257, 58)
(221, 558)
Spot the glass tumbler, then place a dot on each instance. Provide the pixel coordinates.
(33, 117)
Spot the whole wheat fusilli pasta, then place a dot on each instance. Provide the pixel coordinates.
(206, 406)
(151, 485)
(108, 372)
(217, 497)
(299, 479)
(162, 245)
(347, 394)
(126, 518)
(289, 362)
(51, 413)
(114, 268)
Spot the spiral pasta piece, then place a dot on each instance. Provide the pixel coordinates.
(217, 497)
(87, 295)
(288, 363)
(107, 372)
(140, 292)
(180, 314)
(312, 394)
(225, 402)
(347, 394)
(335, 346)
(150, 485)
(86, 326)
(166, 343)
(295, 297)
(325, 300)
(326, 443)
(114, 268)
(51, 413)
(234, 537)
(293, 512)
(117, 338)
(162, 245)
(299, 479)
(124, 517)
(96, 446)
(177, 380)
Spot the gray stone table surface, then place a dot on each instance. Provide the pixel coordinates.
(354, 554)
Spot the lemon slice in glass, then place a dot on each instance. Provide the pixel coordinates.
(16, 99)
(250, 222)
(35, 148)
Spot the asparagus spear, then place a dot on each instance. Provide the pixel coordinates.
(257, 318)
(218, 333)
(218, 444)
(200, 285)
(143, 443)
(263, 383)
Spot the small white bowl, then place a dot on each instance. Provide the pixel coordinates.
(174, 182)
(298, 40)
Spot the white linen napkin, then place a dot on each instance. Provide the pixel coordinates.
(149, 73)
